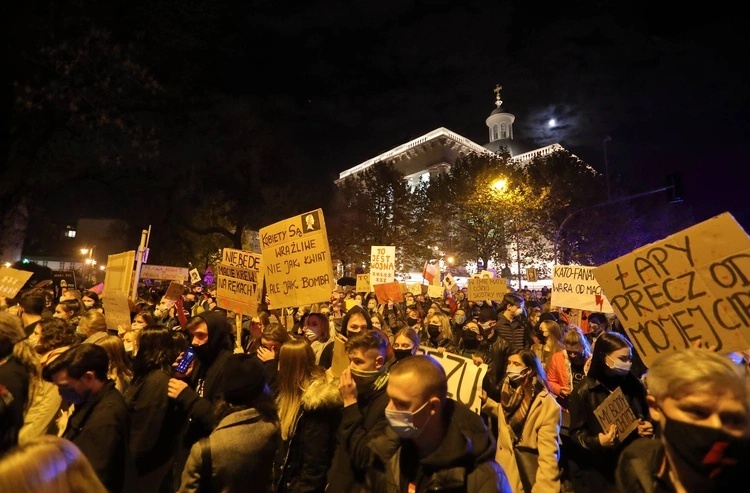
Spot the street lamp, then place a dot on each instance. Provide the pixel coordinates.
(89, 261)
(501, 186)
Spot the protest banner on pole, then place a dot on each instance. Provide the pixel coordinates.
(239, 281)
(195, 276)
(12, 281)
(116, 309)
(297, 261)
(363, 283)
(464, 377)
(382, 264)
(691, 286)
(164, 273)
(119, 272)
(531, 274)
(486, 288)
(574, 286)
(435, 292)
(615, 410)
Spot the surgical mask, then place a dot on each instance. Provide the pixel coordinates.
(365, 379)
(459, 319)
(515, 375)
(433, 330)
(73, 397)
(88, 304)
(706, 450)
(411, 321)
(401, 353)
(619, 367)
(128, 348)
(311, 335)
(402, 422)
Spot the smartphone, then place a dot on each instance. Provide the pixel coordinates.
(187, 358)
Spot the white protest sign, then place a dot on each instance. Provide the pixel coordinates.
(116, 309)
(449, 283)
(297, 261)
(164, 273)
(382, 264)
(464, 377)
(239, 281)
(12, 280)
(691, 286)
(195, 276)
(574, 286)
(435, 292)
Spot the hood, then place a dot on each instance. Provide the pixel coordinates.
(467, 441)
(218, 335)
(352, 311)
(321, 394)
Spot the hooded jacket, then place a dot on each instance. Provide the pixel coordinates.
(305, 457)
(463, 462)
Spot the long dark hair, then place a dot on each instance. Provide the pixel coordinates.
(604, 345)
(156, 351)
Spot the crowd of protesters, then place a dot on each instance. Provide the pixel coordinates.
(263, 406)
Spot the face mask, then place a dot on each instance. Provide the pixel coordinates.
(402, 422)
(401, 353)
(411, 321)
(364, 379)
(459, 319)
(128, 348)
(311, 335)
(706, 450)
(619, 367)
(515, 375)
(433, 330)
(470, 339)
(88, 304)
(73, 397)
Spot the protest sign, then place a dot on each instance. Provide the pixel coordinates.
(449, 283)
(382, 264)
(116, 309)
(435, 292)
(63, 279)
(174, 291)
(487, 274)
(297, 261)
(574, 286)
(363, 283)
(486, 288)
(464, 377)
(415, 289)
(195, 276)
(615, 410)
(12, 280)
(119, 272)
(164, 273)
(350, 303)
(239, 281)
(403, 287)
(388, 292)
(691, 286)
(340, 358)
(531, 274)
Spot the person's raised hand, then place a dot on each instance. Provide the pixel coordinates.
(266, 354)
(347, 388)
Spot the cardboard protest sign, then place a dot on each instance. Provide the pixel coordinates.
(415, 289)
(615, 410)
(403, 287)
(690, 286)
(340, 358)
(63, 279)
(382, 264)
(388, 292)
(486, 288)
(116, 309)
(239, 281)
(297, 261)
(350, 303)
(119, 274)
(363, 283)
(195, 276)
(449, 283)
(174, 291)
(574, 286)
(464, 377)
(435, 292)
(531, 274)
(12, 281)
(164, 273)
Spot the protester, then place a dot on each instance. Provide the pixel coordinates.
(550, 341)
(48, 464)
(69, 310)
(700, 401)
(356, 320)
(511, 323)
(433, 441)
(98, 425)
(405, 343)
(120, 370)
(238, 455)
(309, 414)
(439, 333)
(92, 326)
(597, 449)
(529, 423)
(318, 333)
(30, 307)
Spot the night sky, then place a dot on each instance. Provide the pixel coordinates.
(352, 79)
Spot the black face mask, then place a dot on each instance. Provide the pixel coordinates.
(470, 340)
(706, 450)
(412, 321)
(401, 353)
(433, 330)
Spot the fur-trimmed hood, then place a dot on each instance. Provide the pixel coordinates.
(321, 394)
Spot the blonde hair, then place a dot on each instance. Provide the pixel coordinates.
(48, 464)
(297, 369)
(119, 370)
(445, 324)
(92, 322)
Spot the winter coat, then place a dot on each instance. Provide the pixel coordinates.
(463, 462)
(14, 395)
(305, 456)
(541, 432)
(242, 451)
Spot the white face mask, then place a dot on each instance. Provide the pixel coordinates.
(402, 422)
(88, 304)
(311, 335)
(619, 367)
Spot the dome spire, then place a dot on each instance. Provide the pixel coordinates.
(498, 101)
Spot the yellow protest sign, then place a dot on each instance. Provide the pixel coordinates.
(12, 280)
(415, 289)
(574, 286)
(691, 286)
(119, 274)
(435, 292)
(615, 410)
(297, 261)
(239, 281)
(486, 288)
(363, 283)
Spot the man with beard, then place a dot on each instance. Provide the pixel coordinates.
(198, 389)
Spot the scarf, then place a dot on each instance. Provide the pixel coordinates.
(516, 403)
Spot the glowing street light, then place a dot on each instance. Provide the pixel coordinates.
(500, 185)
